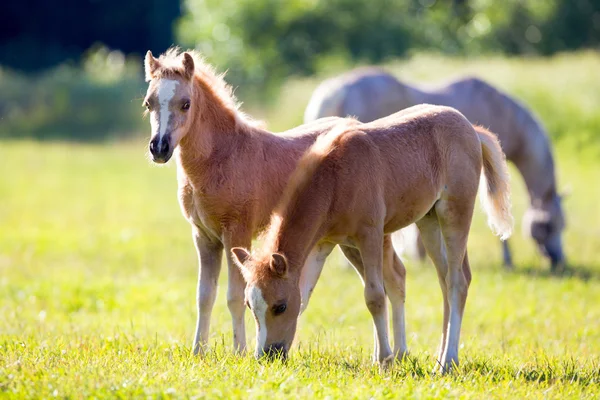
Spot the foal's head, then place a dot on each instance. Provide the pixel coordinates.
(169, 102)
(273, 296)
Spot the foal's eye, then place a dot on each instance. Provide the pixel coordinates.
(280, 309)
(185, 106)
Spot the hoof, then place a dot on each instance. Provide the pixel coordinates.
(402, 355)
(386, 363)
(558, 268)
(198, 350)
(444, 368)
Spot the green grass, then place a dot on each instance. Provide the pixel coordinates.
(98, 271)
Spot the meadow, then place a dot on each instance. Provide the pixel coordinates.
(98, 275)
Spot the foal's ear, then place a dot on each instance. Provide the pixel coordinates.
(279, 264)
(240, 256)
(188, 65)
(151, 64)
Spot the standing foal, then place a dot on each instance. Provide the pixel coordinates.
(360, 182)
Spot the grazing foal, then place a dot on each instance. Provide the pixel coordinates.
(231, 173)
(360, 182)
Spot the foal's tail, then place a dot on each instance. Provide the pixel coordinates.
(495, 184)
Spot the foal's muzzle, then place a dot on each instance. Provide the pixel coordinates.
(161, 149)
(275, 351)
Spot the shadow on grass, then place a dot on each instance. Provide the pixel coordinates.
(573, 271)
(539, 370)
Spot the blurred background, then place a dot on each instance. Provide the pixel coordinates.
(73, 69)
(97, 267)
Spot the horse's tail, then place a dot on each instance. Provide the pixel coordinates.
(495, 184)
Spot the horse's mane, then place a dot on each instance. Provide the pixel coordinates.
(300, 178)
(213, 81)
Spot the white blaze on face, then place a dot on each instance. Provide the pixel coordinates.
(259, 309)
(166, 91)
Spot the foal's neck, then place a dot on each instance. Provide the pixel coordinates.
(215, 133)
(299, 227)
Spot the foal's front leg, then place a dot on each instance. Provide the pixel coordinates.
(210, 251)
(236, 285)
(370, 246)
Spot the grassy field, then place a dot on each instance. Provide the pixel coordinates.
(98, 272)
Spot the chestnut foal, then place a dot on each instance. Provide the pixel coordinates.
(359, 183)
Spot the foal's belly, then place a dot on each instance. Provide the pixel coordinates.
(409, 209)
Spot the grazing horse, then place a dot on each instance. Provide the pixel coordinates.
(231, 173)
(359, 183)
(370, 93)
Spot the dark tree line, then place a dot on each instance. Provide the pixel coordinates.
(37, 34)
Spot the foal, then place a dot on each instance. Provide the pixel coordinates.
(231, 172)
(360, 182)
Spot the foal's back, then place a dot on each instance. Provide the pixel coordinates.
(395, 168)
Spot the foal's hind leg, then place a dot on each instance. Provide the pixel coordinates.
(431, 234)
(394, 279)
(455, 221)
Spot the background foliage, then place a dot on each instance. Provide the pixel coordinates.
(262, 41)
(48, 90)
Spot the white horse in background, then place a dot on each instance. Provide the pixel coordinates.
(371, 93)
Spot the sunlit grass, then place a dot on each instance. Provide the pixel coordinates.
(98, 272)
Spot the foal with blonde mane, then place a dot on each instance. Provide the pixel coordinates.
(231, 173)
(359, 183)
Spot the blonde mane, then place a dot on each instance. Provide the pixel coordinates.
(302, 175)
(212, 81)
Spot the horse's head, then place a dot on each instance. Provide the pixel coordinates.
(273, 296)
(545, 221)
(169, 101)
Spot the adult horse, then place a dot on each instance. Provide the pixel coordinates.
(371, 93)
(346, 191)
(231, 173)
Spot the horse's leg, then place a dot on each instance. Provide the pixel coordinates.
(394, 275)
(394, 280)
(370, 245)
(431, 235)
(312, 271)
(236, 285)
(455, 220)
(210, 252)
(353, 256)
(507, 257)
